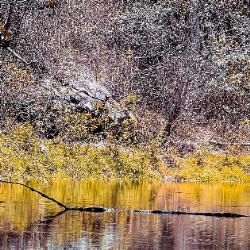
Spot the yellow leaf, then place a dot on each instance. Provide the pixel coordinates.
(1, 28)
(8, 34)
(52, 3)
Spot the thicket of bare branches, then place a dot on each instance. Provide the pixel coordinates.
(188, 60)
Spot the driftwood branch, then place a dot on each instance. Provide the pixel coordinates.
(101, 209)
(38, 192)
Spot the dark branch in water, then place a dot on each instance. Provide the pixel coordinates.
(36, 191)
(101, 209)
(50, 219)
(227, 215)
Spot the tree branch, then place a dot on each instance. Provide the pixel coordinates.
(16, 55)
(38, 192)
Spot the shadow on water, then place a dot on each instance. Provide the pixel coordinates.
(29, 221)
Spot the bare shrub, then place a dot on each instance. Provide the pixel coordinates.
(187, 60)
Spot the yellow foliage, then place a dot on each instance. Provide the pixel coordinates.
(215, 168)
(2, 29)
(129, 101)
(8, 34)
(23, 156)
(52, 3)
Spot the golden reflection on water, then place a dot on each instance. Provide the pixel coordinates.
(21, 211)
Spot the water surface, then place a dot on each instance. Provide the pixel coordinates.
(26, 219)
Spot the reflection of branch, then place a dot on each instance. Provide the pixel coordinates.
(101, 209)
(227, 215)
(51, 218)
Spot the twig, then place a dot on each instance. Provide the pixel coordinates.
(19, 57)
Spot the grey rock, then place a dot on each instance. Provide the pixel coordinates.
(81, 95)
(84, 95)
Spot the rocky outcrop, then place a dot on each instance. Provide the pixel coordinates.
(83, 96)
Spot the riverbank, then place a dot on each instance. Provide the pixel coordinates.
(24, 156)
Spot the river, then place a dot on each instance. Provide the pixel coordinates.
(27, 222)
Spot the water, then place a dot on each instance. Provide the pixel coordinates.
(21, 213)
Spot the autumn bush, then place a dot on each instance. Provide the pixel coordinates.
(24, 156)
